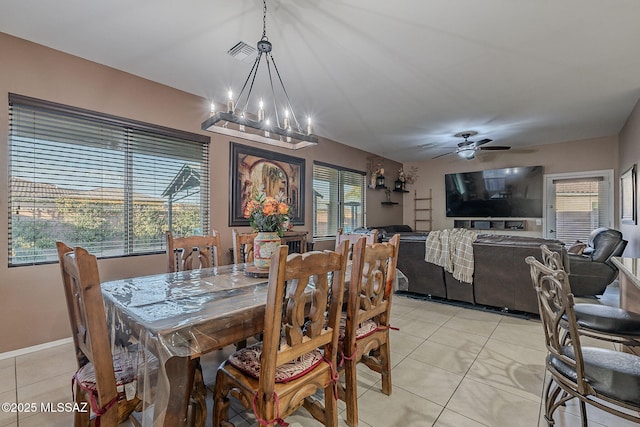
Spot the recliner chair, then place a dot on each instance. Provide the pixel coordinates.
(591, 272)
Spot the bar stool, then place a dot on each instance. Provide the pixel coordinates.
(599, 321)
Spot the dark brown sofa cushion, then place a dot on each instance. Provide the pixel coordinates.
(501, 277)
(393, 228)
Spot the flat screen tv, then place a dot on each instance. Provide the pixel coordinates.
(497, 193)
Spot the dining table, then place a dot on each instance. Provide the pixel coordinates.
(176, 318)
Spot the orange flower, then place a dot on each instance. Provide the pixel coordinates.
(283, 209)
(268, 209)
(250, 208)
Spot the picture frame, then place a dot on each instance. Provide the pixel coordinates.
(628, 198)
(253, 168)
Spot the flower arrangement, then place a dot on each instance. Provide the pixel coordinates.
(408, 177)
(268, 213)
(374, 168)
(374, 164)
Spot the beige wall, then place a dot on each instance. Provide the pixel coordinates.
(32, 308)
(574, 156)
(629, 156)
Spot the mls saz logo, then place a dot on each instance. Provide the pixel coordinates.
(65, 407)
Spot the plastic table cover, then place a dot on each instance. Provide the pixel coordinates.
(182, 315)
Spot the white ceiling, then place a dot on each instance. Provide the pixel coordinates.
(390, 77)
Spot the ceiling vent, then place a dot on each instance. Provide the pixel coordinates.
(243, 52)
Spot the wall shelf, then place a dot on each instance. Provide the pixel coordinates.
(389, 203)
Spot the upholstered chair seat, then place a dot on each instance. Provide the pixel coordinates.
(248, 361)
(610, 373)
(363, 330)
(607, 319)
(126, 367)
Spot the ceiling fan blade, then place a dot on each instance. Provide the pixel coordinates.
(494, 148)
(483, 141)
(441, 155)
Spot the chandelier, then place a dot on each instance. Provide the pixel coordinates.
(272, 125)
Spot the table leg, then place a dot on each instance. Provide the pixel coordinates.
(180, 371)
(198, 401)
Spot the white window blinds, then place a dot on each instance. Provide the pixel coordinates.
(338, 199)
(580, 207)
(105, 183)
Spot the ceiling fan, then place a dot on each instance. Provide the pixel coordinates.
(467, 149)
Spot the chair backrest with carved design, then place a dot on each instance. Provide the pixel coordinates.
(373, 271)
(301, 321)
(89, 329)
(193, 252)
(242, 246)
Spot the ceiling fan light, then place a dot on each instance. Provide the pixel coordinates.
(466, 153)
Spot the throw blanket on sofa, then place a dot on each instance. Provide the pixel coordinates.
(452, 250)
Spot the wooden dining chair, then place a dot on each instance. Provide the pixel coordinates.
(352, 238)
(278, 375)
(365, 335)
(100, 375)
(242, 246)
(193, 252)
(606, 379)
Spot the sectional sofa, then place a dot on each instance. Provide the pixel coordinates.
(501, 277)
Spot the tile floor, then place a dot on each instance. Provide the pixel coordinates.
(452, 367)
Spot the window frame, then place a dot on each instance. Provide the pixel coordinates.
(549, 221)
(134, 132)
(340, 188)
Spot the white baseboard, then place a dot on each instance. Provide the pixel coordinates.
(27, 350)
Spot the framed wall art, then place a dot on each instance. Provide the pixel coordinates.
(628, 214)
(253, 169)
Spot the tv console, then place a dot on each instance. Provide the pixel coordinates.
(491, 224)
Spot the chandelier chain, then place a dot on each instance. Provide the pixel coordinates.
(264, 20)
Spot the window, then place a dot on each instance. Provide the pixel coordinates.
(108, 184)
(338, 199)
(578, 203)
